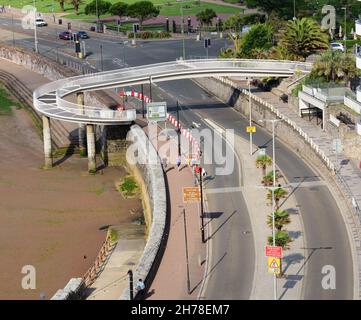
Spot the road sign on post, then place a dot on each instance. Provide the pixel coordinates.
(274, 252)
(251, 129)
(274, 265)
(157, 111)
(191, 194)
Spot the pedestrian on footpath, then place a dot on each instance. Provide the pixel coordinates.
(204, 173)
(140, 288)
(179, 162)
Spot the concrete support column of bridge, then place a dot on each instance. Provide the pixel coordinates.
(82, 130)
(47, 143)
(90, 137)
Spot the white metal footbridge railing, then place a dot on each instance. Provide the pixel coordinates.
(50, 99)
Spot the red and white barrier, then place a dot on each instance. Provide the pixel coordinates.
(186, 133)
(137, 95)
(171, 119)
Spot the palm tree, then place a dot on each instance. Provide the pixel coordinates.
(302, 37)
(282, 239)
(335, 66)
(263, 161)
(279, 193)
(282, 217)
(268, 178)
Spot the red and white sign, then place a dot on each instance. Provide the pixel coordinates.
(275, 252)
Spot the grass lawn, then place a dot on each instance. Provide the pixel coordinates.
(6, 102)
(167, 8)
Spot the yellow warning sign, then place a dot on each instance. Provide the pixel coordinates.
(251, 129)
(274, 265)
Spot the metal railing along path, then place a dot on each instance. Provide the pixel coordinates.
(50, 98)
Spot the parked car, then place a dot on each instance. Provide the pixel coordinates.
(40, 22)
(337, 46)
(65, 35)
(82, 35)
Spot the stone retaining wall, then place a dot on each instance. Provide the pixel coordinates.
(152, 174)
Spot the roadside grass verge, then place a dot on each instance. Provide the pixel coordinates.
(167, 7)
(6, 102)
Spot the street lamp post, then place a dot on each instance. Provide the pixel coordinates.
(182, 31)
(250, 117)
(294, 10)
(178, 132)
(273, 121)
(97, 14)
(101, 57)
(345, 35)
(35, 30)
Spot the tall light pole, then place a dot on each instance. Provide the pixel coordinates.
(182, 31)
(273, 121)
(250, 117)
(35, 31)
(294, 10)
(345, 35)
(97, 13)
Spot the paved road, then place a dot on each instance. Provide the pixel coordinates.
(325, 232)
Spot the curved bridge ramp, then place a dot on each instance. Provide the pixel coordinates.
(50, 99)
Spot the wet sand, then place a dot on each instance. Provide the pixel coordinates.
(51, 219)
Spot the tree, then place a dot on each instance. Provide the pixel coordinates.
(97, 7)
(282, 217)
(282, 239)
(233, 23)
(258, 37)
(335, 66)
(283, 9)
(279, 193)
(268, 178)
(76, 4)
(143, 10)
(303, 37)
(119, 9)
(206, 16)
(61, 3)
(262, 162)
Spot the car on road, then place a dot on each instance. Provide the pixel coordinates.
(82, 35)
(65, 35)
(40, 22)
(336, 46)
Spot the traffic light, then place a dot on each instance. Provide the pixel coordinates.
(207, 42)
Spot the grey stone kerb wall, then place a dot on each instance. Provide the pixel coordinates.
(153, 177)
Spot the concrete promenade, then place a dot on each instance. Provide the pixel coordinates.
(171, 280)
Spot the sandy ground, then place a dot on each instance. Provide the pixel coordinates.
(51, 219)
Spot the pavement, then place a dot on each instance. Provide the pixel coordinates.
(171, 279)
(113, 279)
